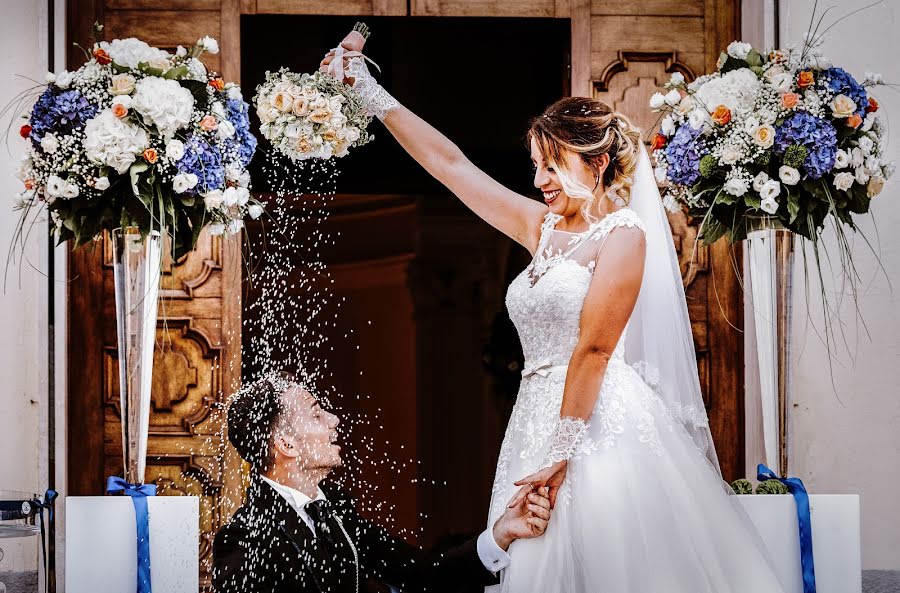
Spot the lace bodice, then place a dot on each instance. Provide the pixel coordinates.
(546, 299)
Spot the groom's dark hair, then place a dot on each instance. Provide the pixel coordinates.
(253, 414)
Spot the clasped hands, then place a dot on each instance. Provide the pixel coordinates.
(526, 516)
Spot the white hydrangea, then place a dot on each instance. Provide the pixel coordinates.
(113, 142)
(739, 49)
(163, 103)
(130, 52)
(737, 90)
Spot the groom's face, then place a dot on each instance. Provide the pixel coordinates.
(307, 433)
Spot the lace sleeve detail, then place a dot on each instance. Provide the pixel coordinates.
(378, 101)
(566, 440)
(623, 217)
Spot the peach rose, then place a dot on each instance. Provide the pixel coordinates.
(119, 110)
(320, 116)
(150, 155)
(330, 135)
(303, 144)
(209, 123)
(790, 100)
(721, 115)
(854, 121)
(301, 106)
(283, 102)
(805, 79)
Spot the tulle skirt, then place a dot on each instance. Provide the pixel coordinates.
(642, 511)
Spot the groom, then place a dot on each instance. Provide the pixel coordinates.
(296, 532)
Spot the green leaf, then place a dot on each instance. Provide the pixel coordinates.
(752, 200)
(754, 59)
(146, 68)
(712, 230)
(793, 206)
(176, 73)
(134, 171)
(723, 197)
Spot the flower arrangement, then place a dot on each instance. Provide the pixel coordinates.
(782, 139)
(138, 137)
(316, 115)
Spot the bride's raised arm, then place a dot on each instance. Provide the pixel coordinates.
(509, 212)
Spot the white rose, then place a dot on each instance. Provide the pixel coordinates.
(736, 186)
(686, 105)
(183, 182)
(761, 178)
(209, 45)
(657, 101)
(267, 113)
(244, 179)
(352, 135)
(64, 79)
(841, 159)
(770, 190)
(123, 100)
(698, 118)
(876, 184)
(174, 149)
(667, 127)
(673, 98)
(122, 84)
(857, 158)
(782, 82)
(843, 181)
(216, 228)
(101, 183)
(255, 211)
(769, 205)
(789, 175)
(225, 129)
(181, 51)
(55, 186)
(163, 103)
(235, 226)
(230, 196)
(866, 144)
(842, 106)
(773, 71)
(677, 79)
(160, 63)
(730, 155)
(49, 143)
(764, 135)
(739, 50)
(213, 199)
(70, 190)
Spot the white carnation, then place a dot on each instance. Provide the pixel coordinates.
(163, 103)
(872, 165)
(843, 181)
(736, 90)
(243, 195)
(50, 78)
(49, 143)
(730, 155)
(230, 196)
(857, 158)
(789, 175)
(873, 78)
(113, 142)
(866, 144)
(667, 126)
(739, 49)
(233, 171)
(174, 149)
(868, 122)
(209, 45)
(660, 174)
(101, 183)
(698, 118)
(244, 179)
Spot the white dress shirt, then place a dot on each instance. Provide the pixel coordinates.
(492, 556)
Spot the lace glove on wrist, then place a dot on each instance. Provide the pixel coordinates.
(567, 438)
(378, 101)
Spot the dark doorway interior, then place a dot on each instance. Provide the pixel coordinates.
(421, 337)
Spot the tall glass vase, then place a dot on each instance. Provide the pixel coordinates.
(770, 257)
(137, 262)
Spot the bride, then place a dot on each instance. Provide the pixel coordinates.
(609, 414)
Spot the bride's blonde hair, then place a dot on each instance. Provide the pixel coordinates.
(590, 128)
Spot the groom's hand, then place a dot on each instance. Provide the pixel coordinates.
(526, 519)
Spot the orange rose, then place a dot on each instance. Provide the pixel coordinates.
(854, 121)
(119, 110)
(209, 123)
(659, 141)
(805, 79)
(102, 57)
(872, 107)
(29, 183)
(150, 155)
(722, 115)
(790, 100)
(217, 83)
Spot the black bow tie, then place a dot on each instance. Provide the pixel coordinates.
(320, 511)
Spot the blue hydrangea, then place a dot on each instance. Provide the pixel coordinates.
(683, 154)
(238, 114)
(203, 160)
(60, 112)
(818, 136)
(841, 83)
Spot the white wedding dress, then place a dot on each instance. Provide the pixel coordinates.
(642, 509)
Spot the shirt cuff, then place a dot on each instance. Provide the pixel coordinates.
(491, 555)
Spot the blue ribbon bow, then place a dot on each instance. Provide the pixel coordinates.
(138, 494)
(804, 523)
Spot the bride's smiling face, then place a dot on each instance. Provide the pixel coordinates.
(547, 180)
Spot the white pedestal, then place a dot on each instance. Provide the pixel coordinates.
(101, 544)
(835, 535)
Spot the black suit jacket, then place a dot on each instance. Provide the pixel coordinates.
(266, 547)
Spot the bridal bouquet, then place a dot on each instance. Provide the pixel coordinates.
(315, 115)
(139, 137)
(784, 137)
